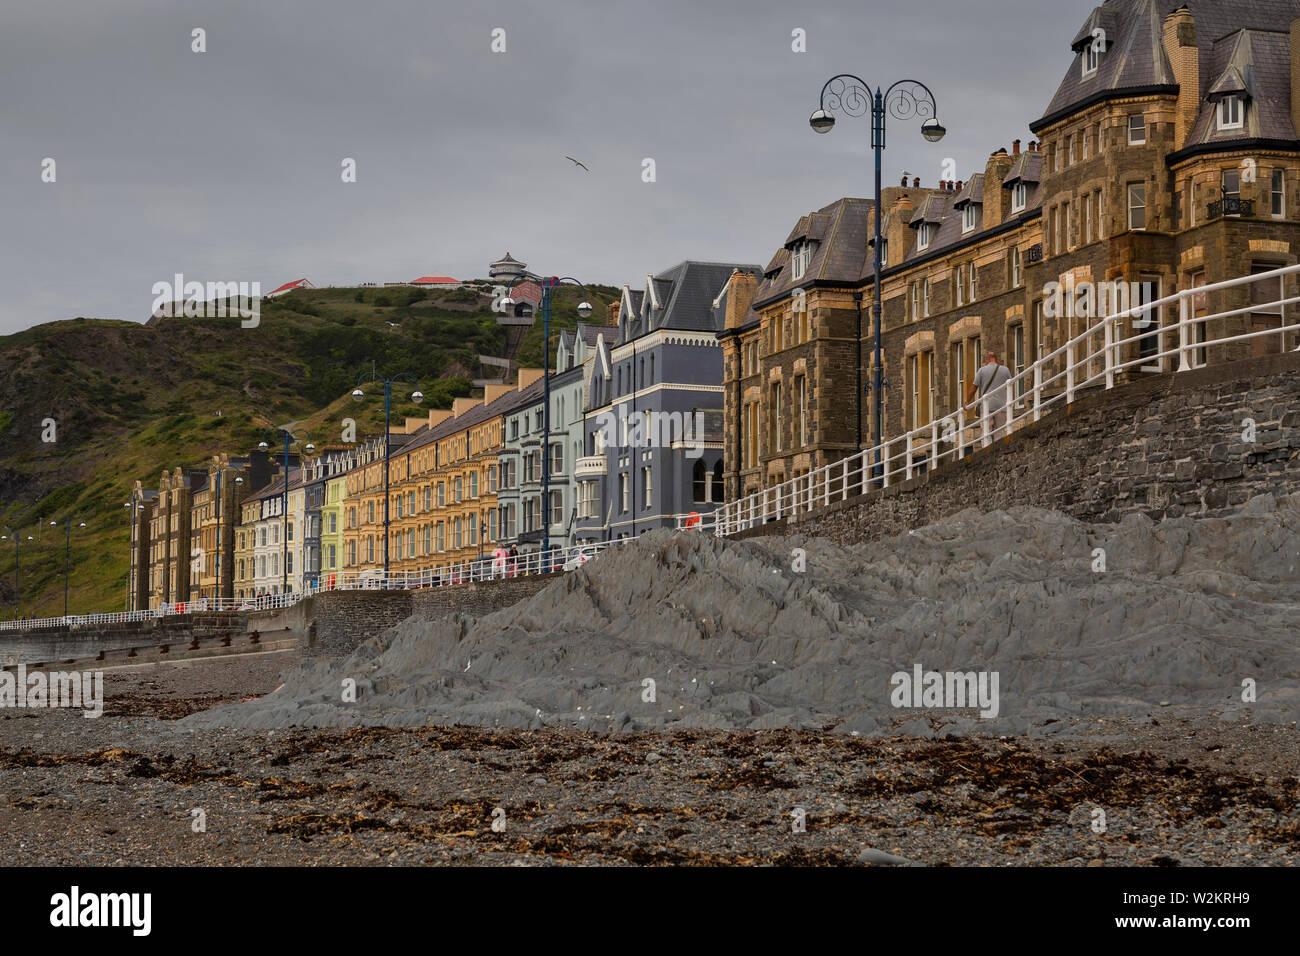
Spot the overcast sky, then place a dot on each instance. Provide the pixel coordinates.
(225, 165)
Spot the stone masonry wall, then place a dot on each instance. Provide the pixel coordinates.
(344, 619)
(1167, 445)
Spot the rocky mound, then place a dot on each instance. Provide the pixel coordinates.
(789, 631)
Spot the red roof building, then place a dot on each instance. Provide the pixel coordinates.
(289, 287)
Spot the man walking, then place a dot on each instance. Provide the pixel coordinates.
(990, 385)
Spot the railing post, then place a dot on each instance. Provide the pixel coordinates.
(908, 462)
(1038, 388)
(961, 430)
(1108, 344)
(884, 463)
(1069, 373)
(984, 422)
(933, 457)
(826, 499)
(1184, 334)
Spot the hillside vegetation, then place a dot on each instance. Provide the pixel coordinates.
(129, 400)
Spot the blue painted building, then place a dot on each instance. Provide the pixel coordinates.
(653, 422)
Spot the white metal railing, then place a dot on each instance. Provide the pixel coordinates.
(1038, 390)
(484, 569)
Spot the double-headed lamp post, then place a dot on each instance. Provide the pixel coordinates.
(906, 99)
(17, 538)
(134, 564)
(584, 311)
(263, 445)
(67, 555)
(358, 395)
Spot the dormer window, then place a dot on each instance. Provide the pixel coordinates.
(1091, 58)
(1019, 197)
(1230, 112)
(923, 236)
(800, 258)
(969, 217)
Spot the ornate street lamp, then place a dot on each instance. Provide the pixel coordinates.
(290, 437)
(416, 396)
(67, 556)
(584, 311)
(906, 99)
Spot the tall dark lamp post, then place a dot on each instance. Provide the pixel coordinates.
(67, 556)
(584, 310)
(17, 537)
(289, 438)
(906, 99)
(134, 563)
(416, 396)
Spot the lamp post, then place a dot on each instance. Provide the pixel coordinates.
(416, 396)
(853, 96)
(17, 536)
(584, 310)
(289, 438)
(133, 569)
(67, 556)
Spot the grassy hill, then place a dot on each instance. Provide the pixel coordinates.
(130, 400)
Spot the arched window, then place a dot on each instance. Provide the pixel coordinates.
(700, 489)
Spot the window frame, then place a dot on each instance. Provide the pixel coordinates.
(1131, 129)
(1233, 104)
(1130, 206)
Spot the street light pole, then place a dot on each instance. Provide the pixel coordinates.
(263, 445)
(853, 96)
(16, 537)
(67, 559)
(416, 396)
(584, 310)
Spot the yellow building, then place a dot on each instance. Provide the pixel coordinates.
(442, 487)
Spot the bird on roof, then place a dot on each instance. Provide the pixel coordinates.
(575, 162)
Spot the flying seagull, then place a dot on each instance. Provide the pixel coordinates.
(575, 162)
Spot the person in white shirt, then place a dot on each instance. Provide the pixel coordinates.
(990, 385)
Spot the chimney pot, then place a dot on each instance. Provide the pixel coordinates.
(959, 185)
(916, 182)
(1015, 147)
(904, 182)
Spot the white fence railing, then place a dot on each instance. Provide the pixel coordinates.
(1037, 391)
(484, 569)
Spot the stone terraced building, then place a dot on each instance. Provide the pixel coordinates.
(1168, 158)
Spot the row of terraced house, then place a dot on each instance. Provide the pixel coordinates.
(463, 481)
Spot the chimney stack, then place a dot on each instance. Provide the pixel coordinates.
(996, 201)
(1179, 39)
(896, 232)
(740, 293)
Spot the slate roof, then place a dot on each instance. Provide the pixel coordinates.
(479, 413)
(839, 255)
(685, 294)
(1240, 43)
(1255, 63)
